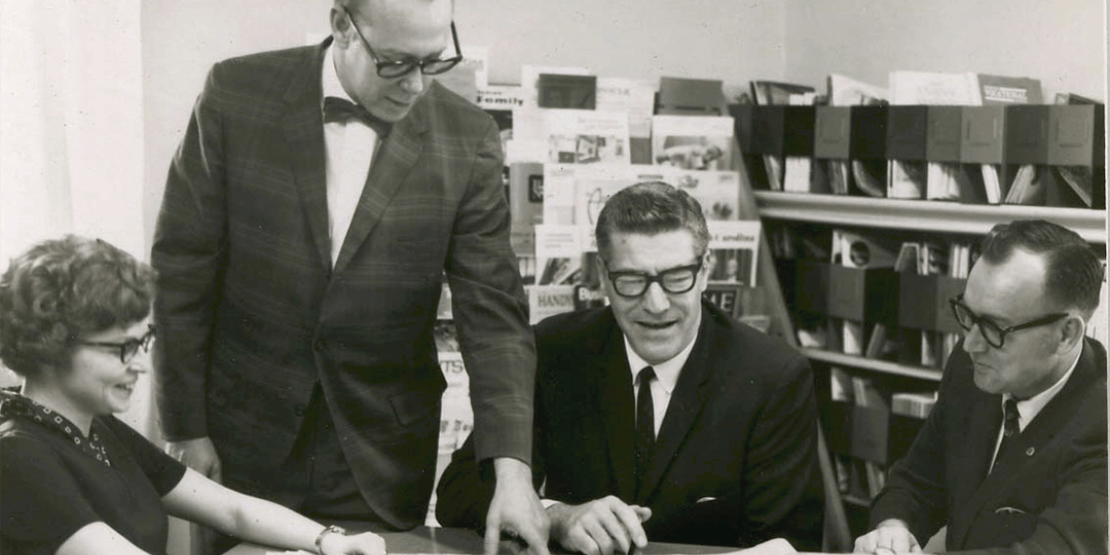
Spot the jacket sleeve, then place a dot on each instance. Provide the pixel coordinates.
(490, 314)
(188, 254)
(915, 490)
(462, 497)
(783, 496)
(465, 489)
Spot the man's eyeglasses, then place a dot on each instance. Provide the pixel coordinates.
(994, 334)
(675, 280)
(127, 349)
(400, 68)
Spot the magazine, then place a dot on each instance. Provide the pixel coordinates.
(693, 142)
(585, 137)
(525, 205)
(735, 251)
(559, 251)
(548, 300)
(530, 78)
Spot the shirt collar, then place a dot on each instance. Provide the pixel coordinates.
(667, 371)
(15, 405)
(1031, 407)
(330, 79)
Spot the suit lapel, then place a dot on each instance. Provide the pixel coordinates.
(391, 164)
(687, 400)
(983, 423)
(1057, 413)
(612, 380)
(303, 125)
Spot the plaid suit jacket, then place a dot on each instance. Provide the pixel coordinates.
(251, 313)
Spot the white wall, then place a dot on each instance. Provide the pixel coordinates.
(708, 39)
(181, 41)
(1062, 42)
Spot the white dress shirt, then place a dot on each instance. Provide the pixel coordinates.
(349, 149)
(666, 376)
(1031, 407)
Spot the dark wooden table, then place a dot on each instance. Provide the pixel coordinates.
(455, 541)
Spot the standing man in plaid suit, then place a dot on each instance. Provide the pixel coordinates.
(318, 199)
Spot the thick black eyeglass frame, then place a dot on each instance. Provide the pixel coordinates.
(127, 349)
(958, 305)
(657, 278)
(401, 68)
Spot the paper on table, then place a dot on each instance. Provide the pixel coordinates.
(777, 546)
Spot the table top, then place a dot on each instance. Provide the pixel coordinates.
(443, 541)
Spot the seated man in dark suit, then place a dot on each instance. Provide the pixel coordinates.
(1013, 457)
(660, 416)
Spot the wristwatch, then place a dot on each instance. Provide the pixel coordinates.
(329, 529)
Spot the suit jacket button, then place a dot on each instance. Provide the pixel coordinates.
(1029, 452)
(299, 410)
(320, 345)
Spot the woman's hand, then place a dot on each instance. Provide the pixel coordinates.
(367, 543)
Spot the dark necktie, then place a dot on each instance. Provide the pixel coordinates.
(341, 110)
(1010, 428)
(645, 424)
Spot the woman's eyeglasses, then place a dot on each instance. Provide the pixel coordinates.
(127, 349)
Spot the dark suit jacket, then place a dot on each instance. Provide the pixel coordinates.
(1046, 495)
(251, 313)
(736, 460)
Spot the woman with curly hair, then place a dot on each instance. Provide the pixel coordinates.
(75, 326)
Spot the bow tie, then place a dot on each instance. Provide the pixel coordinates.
(341, 110)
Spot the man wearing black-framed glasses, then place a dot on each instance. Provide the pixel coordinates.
(1013, 456)
(318, 201)
(660, 417)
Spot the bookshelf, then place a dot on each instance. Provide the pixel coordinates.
(946, 218)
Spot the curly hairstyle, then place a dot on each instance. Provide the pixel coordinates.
(62, 289)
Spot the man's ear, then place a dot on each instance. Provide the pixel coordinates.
(1072, 332)
(340, 27)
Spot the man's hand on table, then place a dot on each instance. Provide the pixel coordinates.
(604, 526)
(890, 537)
(515, 509)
